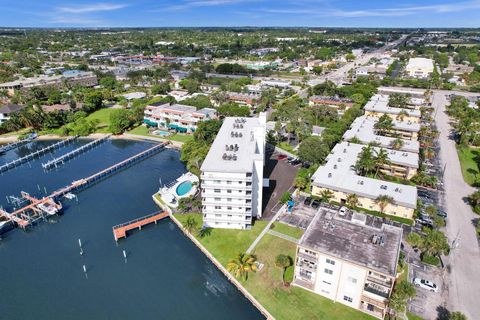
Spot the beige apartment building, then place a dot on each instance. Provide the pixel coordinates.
(378, 106)
(349, 260)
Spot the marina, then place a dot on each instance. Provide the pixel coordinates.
(161, 261)
(16, 144)
(60, 160)
(27, 215)
(29, 157)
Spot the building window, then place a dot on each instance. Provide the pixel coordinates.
(249, 174)
(218, 207)
(239, 182)
(229, 191)
(327, 283)
(331, 262)
(216, 190)
(328, 271)
(229, 208)
(229, 182)
(216, 181)
(347, 298)
(217, 199)
(229, 199)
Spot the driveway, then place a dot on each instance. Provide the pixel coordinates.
(463, 263)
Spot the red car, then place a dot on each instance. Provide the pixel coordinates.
(281, 157)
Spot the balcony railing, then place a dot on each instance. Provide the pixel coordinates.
(376, 291)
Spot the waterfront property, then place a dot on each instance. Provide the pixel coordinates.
(363, 129)
(182, 187)
(178, 117)
(232, 174)
(339, 177)
(349, 261)
(378, 106)
(7, 110)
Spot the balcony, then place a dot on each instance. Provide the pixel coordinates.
(307, 266)
(307, 257)
(386, 282)
(377, 290)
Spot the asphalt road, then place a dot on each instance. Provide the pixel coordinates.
(463, 264)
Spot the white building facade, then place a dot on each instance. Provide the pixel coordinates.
(232, 174)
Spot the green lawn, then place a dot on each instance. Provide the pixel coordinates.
(284, 303)
(103, 116)
(16, 133)
(224, 244)
(287, 147)
(143, 131)
(287, 230)
(469, 159)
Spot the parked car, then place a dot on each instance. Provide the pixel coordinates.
(442, 213)
(295, 162)
(425, 284)
(424, 223)
(342, 211)
(281, 157)
(307, 201)
(315, 204)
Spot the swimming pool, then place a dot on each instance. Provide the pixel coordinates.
(161, 133)
(183, 188)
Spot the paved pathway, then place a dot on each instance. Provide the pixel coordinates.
(264, 231)
(283, 236)
(464, 261)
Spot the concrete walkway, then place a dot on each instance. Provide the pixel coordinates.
(463, 264)
(267, 228)
(283, 236)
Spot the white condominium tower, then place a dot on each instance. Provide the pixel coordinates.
(232, 174)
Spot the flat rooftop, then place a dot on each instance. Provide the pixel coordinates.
(46, 79)
(379, 103)
(351, 239)
(337, 174)
(246, 136)
(363, 129)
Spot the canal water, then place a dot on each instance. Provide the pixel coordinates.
(164, 277)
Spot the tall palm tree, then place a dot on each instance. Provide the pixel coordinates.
(383, 201)
(396, 144)
(381, 160)
(402, 115)
(326, 195)
(429, 153)
(352, 200)
(242, 265)
(366, 161)
(191, 225)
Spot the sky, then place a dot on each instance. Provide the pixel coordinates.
(195, 13)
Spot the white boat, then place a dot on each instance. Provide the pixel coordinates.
(5, 226)
(70, 196)
(50, 208)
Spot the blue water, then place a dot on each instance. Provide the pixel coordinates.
(183, 188)
(164, 277)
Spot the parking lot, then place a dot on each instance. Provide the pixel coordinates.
(302, 214)
(281, 175)
(427, 304)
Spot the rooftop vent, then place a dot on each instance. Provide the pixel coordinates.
(383, 187)
(360, 182)
(378, 240)
(329, 174)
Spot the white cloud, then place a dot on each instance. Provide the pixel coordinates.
(95, 7)
(386, 12)
(199, 3)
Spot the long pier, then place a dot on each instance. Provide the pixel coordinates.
(23, 220)
(14, 163)
(55, 162)
(120, 230)
(13, 145)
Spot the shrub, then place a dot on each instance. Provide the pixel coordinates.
(432, 260)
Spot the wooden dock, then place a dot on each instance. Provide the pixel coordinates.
(120, 231)
(25, 216)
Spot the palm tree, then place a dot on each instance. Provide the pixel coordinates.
(352, 200)
(381, 160)
(204, 232)
(366, 161)
(396, 144)
(429, 153)
(326, 195)
(191, 225)
(242, 265)
(402, 114)
(283, 261)
(383, 201)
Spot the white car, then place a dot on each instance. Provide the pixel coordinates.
(342, 211)
(425, 284)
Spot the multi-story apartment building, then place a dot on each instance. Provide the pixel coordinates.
(378, 106)
(243, 98)
(232, 174)
(331, 101)
(340, 177)
(364, 129)
(420, 68)
(85, 79)
(179, 117)
(349, 260)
